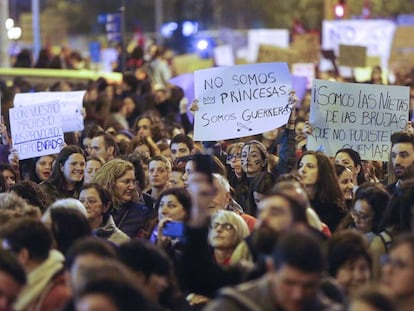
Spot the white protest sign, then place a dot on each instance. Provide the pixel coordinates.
(375, 35)
(224, 56)
(36, 130)
(305, 70)
(70, 106)
(357, 116)
(257, 37)
(241, 100)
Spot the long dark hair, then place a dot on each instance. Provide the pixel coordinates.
(327, 186)
(378, 198)
(32, 168)
(356, 158)
(182, 196)
(56, 177)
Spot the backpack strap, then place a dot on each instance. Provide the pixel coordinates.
(386, 238)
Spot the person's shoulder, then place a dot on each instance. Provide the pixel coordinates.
(45, 184)
(241, 253)
(59, 293)
(253, 296)
(326, 304)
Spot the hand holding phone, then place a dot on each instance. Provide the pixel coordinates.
(173, 229)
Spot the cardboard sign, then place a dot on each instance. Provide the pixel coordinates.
(36, 130)
(241, 100)
(268, 53)
(272, 37)
(308, 45)
(357, 116)
(189, 63)
(352, 55)
(70, 106)
(402, 52)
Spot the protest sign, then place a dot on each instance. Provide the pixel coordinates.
(190, 62)
(402, 52)
(352, 55)
(241, 100)
(308, 45)
(357, 116)
(269, 53)
(299, 85)
(224, 56)
(305, 70)
(272, 37)
(70, 106)
(36, 130)
(375, 35)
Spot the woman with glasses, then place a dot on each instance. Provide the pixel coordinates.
(227, 230)
(118, 177)
(367, 211)
(97, 201)
(398, 272)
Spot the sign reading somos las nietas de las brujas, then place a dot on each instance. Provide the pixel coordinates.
(357, 116)
(241, 100)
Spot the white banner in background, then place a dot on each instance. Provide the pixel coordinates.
(376, 35)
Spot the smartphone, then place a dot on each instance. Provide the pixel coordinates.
(173, 229)
(203, 163)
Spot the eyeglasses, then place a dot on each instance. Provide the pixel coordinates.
(361, 216)
(90, 201)
(225, 226)
(395, 263)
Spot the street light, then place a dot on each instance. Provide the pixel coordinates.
(13, 33)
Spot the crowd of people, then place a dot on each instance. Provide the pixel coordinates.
(133, 214)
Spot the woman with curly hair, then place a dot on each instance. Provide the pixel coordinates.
(130, 216)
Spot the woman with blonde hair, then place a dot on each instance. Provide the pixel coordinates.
(227, 230)
(130, 216)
